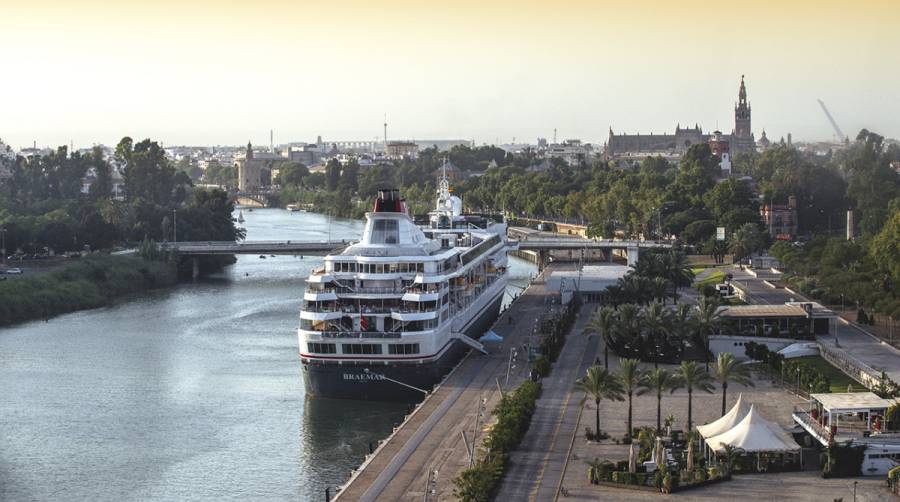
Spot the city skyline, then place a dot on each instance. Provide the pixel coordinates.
(205, 73)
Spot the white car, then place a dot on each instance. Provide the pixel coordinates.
(14, 271)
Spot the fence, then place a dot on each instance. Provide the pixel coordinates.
(856, 369)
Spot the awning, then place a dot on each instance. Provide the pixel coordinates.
(490, 336)
(754, 434)
(727, 421)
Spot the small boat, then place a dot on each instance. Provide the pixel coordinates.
(262, 257)
(293, 208)
(241, 216)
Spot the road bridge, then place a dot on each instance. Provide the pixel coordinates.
(539, 245)
(253, 247)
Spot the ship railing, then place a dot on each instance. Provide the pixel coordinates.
(370, 290)
(320, 290)
(359, 334)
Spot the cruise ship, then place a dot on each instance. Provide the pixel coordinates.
(387, 317)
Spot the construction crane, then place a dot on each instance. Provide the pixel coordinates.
(841, 136)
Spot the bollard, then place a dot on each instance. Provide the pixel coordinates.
(327, 494)
(371, 450)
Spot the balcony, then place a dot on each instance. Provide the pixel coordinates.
(359, 335)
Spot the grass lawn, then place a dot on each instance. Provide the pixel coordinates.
(839, 380)
(710, 280)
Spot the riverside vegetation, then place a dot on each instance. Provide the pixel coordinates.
(44, 211)
(90, 282)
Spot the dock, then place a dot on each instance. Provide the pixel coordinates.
(423, 455)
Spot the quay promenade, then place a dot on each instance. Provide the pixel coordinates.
(427, 451)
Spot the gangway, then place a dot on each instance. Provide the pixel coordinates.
(475, 344)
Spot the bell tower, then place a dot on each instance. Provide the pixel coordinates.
(743, 133)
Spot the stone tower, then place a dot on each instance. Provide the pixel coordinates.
(743, 133)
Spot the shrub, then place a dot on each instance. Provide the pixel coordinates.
(714, 473)
(843, 460)
(541, 366)
(479, 482)
(700, 475)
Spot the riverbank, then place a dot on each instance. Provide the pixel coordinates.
(87, 283)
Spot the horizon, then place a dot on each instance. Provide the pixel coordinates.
(203, 73)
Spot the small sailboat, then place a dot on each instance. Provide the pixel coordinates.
(241, 216)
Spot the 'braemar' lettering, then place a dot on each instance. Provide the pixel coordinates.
(362, 376)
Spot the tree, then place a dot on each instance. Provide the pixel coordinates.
(292, 173)
(658, 380)
(729, 455)
(707, 320)
(599, 384)
(885, 247)
(691, 376)
(657, 323)
(332, 174)
(728, 369)
(601, 323)
(745, 241)
(102, 185)
(631, 375)
(149, 175)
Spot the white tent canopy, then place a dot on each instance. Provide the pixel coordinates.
(727, 421)
(754, 434)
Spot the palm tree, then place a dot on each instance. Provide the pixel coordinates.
(677, 271)
(660, 287)
(691, 376)
(631, 376)
(601, 323)
(745, 241)
(658, 380)
(656, 321)
(728, 369)
(599, 384)
(627, 329)
(707, 319)
(728, 455)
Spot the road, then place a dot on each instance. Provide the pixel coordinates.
(430, 441)
(851, 339)
(537, 465)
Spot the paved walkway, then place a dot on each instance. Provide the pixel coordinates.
(852, 340)
(536, 466)
(428, 447)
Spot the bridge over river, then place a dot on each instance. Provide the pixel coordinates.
(540, 247)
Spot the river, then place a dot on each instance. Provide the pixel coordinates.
(189, 393)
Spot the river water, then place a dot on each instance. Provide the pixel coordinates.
(190, 393)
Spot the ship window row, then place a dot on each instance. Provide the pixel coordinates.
(403, 348)
(377, 268)
(360, 348)
(321, 348)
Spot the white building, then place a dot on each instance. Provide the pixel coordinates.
(573, 151)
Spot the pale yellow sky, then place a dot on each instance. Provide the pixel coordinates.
(220, 72)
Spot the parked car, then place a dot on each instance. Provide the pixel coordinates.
(14, 271)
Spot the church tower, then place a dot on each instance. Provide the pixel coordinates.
(742, 137)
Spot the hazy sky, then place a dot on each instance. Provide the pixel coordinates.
(225, 71)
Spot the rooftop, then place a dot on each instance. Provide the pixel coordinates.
(762, 311)
(851, 401)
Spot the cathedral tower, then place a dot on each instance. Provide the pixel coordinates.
(743, 133)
